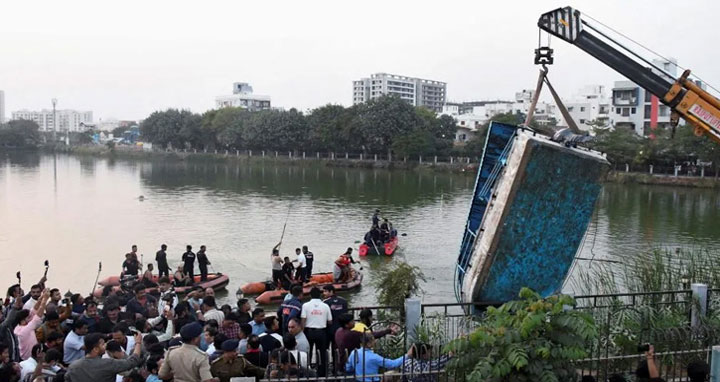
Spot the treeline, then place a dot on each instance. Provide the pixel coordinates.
(20, 134)
(380, 126)
(624, 146)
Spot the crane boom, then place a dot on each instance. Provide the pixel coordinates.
(683, 96)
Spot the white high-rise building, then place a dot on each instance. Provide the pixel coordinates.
(2, 106)
(416, 91)
(243, 97)
(67, 120)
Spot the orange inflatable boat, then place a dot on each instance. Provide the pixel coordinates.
(217, 281)
(259, 287)
(277, 295)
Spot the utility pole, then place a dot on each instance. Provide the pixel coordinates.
(54, 103)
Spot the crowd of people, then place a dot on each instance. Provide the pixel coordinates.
(153, 334)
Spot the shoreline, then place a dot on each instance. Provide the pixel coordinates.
(239, 157)
(463, 168)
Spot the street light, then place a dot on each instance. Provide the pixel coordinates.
(54, 103)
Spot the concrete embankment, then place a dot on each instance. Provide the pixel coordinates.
(662, 180)
(458, 166)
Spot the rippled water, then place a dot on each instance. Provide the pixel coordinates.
(78, 211)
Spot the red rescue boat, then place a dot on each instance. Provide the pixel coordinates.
(385, 248)
(259, 287)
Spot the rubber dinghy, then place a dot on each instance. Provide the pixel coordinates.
(277, 295)
(217, 281)
(385, 248)
(259, 287)
(533, 201)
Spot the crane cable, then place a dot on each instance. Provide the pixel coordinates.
(643, 47)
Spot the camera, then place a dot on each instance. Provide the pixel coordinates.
(643, 348)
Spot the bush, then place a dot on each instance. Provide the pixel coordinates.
(530, 339)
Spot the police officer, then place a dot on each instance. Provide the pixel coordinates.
(203, 262)
(187, 363)
(230, 365)
(188, 259)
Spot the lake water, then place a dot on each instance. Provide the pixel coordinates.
(78, 211)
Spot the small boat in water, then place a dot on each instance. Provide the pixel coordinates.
(217, 281)
(387, 248)
(259, 287)
(277, 295)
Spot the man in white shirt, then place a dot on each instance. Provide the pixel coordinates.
(73, 346)
(316, 318)
(35, 292)
(302, 263)
(210, 312)
(27, 367)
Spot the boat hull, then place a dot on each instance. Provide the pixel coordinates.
(387, 249)
(540, 206)
(259, 287)
(276, 296)
(217, 281)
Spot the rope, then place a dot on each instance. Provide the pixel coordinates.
(646, 48)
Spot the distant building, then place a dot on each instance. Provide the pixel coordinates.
(470, 116)
(2, 106)
(635, 108)
(243, 97)
(67, 120)
(589, 105)
(416, 91)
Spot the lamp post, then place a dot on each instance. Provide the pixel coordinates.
(54, 103)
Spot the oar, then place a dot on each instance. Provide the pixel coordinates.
(96, 278)
(285, 225)
(375, 245)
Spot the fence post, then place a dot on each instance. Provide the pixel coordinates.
(451, 160)
(699, 303)
(435, 159)
(715, 364)
(250, 153)
(420, 159)
(375, 158)
(389, 157)
(332, 155)
(289, 154)
(194, 151)
(361, 155)
(627, 167)
(412, 317)
(263, 153)
(676, 171)
(237, 153)
(346, 155)
(303, 154)
(651, 169)
(276, 154)
(226, 153)
(702, 171)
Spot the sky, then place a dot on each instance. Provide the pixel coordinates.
(127, 59)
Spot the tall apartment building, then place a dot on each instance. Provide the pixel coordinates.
(2, 106)
(67, 120)
(416, 91)
(635, 108)
(243, 97)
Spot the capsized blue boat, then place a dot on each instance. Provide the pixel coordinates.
(532, 204)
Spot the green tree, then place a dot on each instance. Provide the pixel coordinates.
(276, 130)
(379, 121)
(329, 128)
(20, 134)
(529, 339)
(224, 127)
(413, 144)
(398, 282)
(179, 128)
(621, 145)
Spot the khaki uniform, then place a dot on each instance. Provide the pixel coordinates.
(239, 367)
(186, 363)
